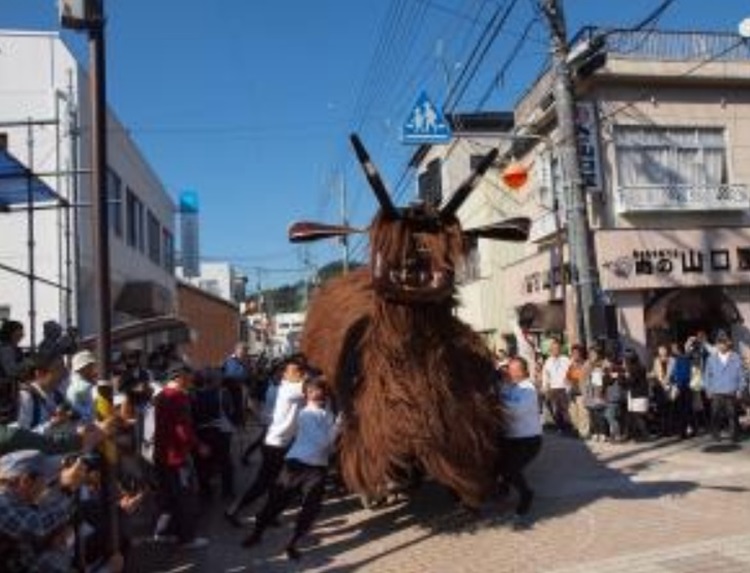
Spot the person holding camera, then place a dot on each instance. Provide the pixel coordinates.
(36, 510)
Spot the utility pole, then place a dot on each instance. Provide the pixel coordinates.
(585, 277)
(100, 225)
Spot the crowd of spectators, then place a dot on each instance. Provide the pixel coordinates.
(161, 432)
(690, 387)
(78, 453)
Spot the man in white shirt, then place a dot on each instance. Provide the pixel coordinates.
(523, 431)
(279, 436)
(556, 386)
(304, 469)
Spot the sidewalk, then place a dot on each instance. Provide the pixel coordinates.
(660, 507)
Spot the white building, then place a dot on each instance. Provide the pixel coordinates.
(42, 83)
(218, 278)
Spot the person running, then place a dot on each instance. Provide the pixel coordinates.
(289, 401)
(304, 469)
(523, 432)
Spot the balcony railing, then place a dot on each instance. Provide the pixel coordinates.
(668, 45)
(654, 198)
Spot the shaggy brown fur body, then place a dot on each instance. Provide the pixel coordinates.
(414, 382)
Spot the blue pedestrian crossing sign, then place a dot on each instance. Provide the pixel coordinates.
(426, 123)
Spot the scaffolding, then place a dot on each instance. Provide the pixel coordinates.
(22, 189)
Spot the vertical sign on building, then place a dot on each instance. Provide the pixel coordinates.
(589, 155)
(189, 244)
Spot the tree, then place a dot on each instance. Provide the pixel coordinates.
(335, 268)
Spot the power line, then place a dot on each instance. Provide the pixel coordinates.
(508, 62)
(476, 57)
(654, 16)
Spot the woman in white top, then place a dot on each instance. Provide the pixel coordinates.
(523, 431)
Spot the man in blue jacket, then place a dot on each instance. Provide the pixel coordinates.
(724, 382)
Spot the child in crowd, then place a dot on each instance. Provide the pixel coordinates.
(305, 468)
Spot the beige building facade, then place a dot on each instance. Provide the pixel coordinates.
(664, 137)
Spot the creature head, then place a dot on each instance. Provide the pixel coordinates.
(415, 256)
(416, 251)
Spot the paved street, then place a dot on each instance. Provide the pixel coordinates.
(659, 507)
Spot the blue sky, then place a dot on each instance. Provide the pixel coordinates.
(250, 102)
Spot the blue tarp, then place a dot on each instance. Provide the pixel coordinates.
(15, 179)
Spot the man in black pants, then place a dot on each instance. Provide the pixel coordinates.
(281, 431)
(522, 439)
(304, 469)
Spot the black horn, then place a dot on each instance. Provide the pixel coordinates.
(460, 195)
(373, 177)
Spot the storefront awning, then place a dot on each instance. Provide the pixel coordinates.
(18, 184)
(173, 327)
(144, 299)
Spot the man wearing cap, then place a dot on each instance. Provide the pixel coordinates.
(724, 382)
(80, 393)
(34, 518)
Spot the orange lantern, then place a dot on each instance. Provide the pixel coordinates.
(515, 175)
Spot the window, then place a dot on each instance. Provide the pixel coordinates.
(114, 198)
(431, 184)
(136, 221)
(167, 250)
(472, 268)
(653, 155)
(154, 238)
(210, 285)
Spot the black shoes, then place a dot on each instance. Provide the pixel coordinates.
(524, 503)
(233, 519)
(292, 553)
(253, 539)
